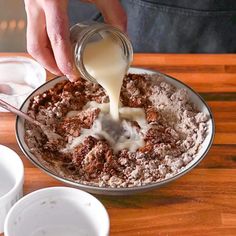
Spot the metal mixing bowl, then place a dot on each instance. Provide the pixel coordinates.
(194, 97)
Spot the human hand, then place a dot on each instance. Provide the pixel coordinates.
(48, 39)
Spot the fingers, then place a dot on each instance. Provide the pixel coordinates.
(48, 38)
(38, 44)
(58, 32)
(113, 13)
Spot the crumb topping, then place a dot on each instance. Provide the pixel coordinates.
(174, 132)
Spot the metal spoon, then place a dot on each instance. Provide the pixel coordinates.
(49, 133)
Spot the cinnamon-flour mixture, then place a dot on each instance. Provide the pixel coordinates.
(163, 142)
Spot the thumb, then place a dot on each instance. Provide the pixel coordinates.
(113, 13)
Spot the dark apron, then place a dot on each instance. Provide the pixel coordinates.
(180, 26)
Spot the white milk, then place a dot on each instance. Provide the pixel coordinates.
(105, 61)
(104, 127)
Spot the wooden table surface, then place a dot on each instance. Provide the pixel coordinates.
(202, 202)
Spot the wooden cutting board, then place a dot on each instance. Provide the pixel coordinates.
(202, 202)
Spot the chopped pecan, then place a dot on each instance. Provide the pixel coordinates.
(152, 115)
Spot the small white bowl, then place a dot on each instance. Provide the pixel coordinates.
(11, 181)
(59, 211)
(21, 74)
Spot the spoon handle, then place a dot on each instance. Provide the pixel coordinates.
(14, 110)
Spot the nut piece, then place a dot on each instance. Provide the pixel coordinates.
(152, 115)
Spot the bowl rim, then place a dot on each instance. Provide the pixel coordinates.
(19, 181)
(127, 190)
(54, 190)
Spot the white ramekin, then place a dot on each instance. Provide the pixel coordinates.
(57, 211)
(18, 71)
(11, 181)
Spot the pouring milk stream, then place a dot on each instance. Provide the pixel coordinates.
(104, 60)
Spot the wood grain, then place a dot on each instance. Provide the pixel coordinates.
(202, 202)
